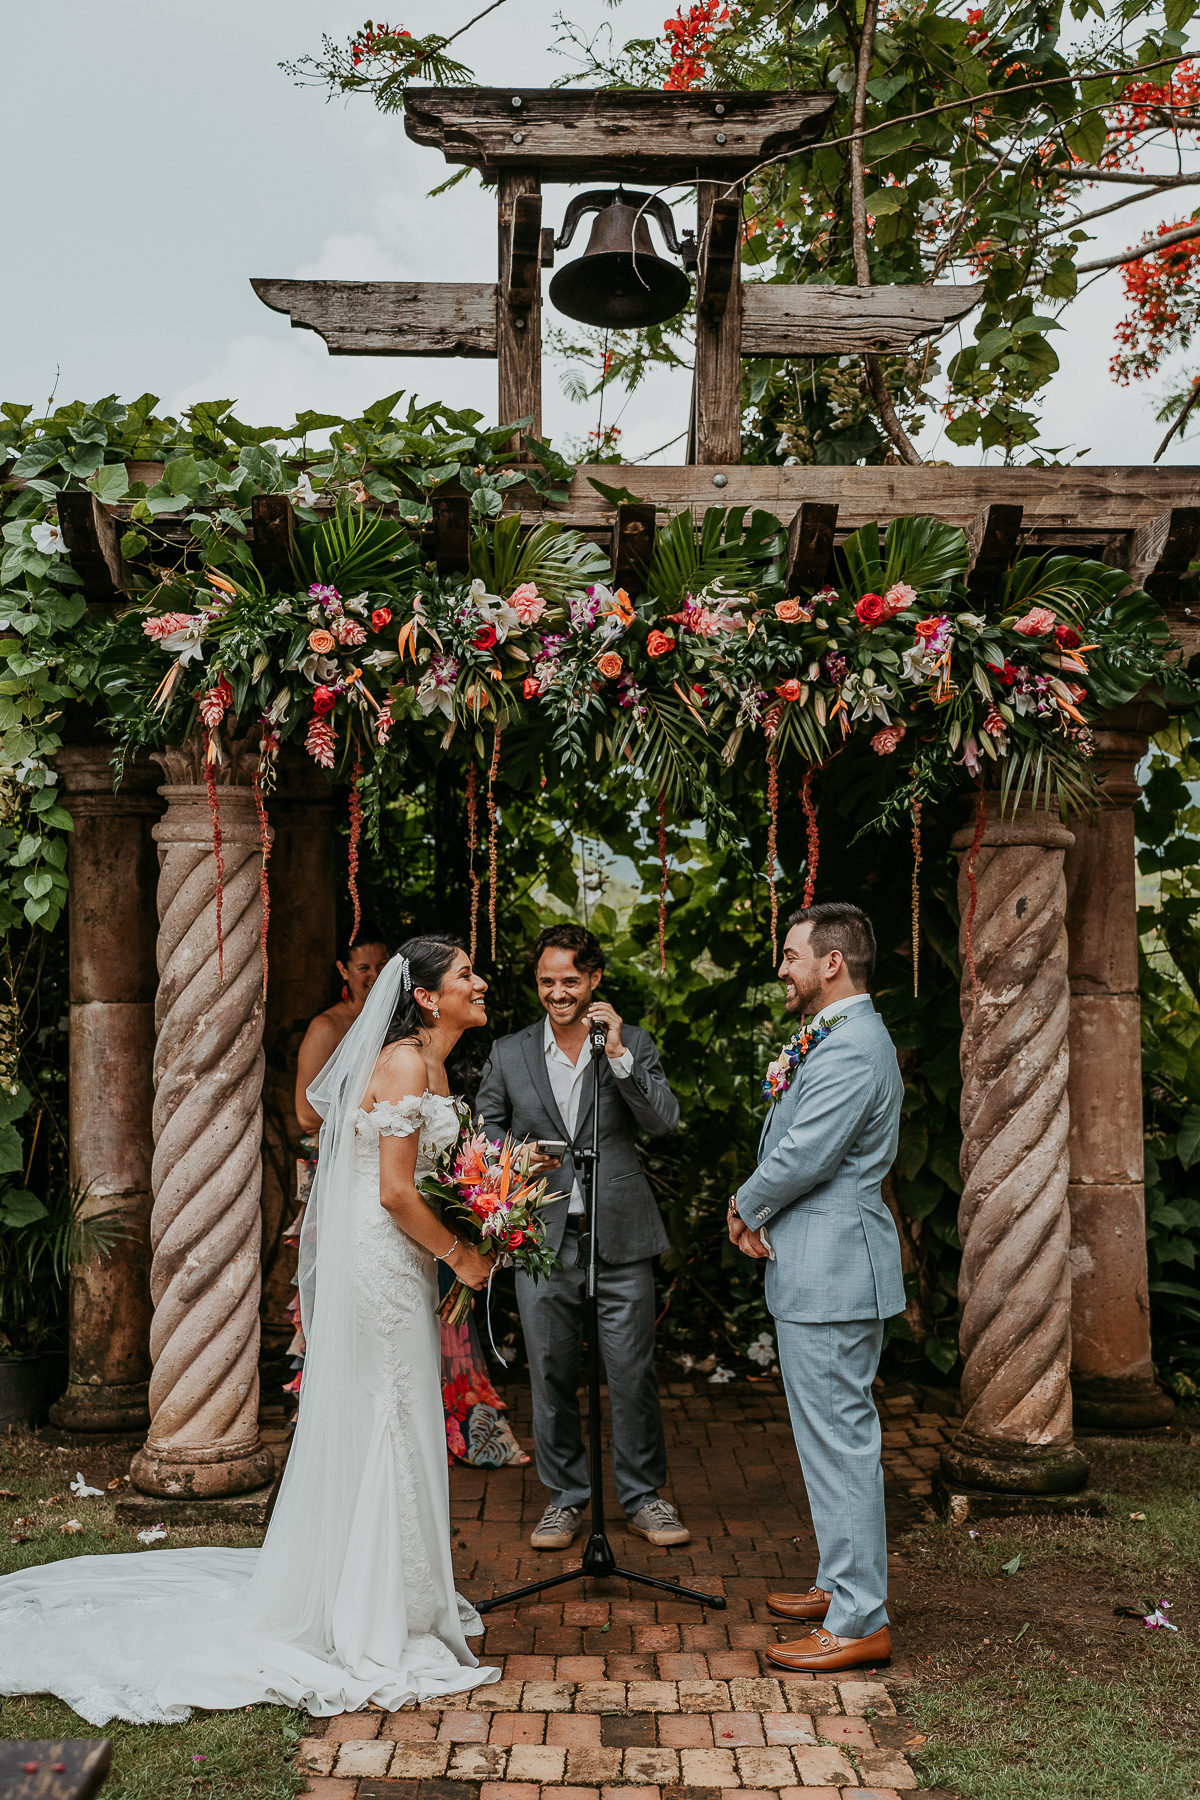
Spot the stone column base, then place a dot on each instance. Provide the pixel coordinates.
(201, 1474)
(960, 1504)
(102, 1406)
(1010, 1468)
(1120, 1403)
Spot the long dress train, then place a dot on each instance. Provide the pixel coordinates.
(351, 1599)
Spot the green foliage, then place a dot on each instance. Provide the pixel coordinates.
(1168, 827)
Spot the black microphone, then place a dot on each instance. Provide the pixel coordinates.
(598, 1035)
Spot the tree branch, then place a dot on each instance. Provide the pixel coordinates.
(1127, 177)
(1100, 211)
(1147, 248)
(1181, 416)
(876, 381)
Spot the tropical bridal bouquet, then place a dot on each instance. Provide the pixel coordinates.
(489, 1191)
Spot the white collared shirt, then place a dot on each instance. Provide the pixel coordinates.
(566, 1084)
(836, 1008)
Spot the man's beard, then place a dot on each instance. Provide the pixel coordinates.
(798, 1001)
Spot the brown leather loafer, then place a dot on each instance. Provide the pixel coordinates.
(813, 1605)
(824, 1650)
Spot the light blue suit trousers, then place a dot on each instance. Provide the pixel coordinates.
(825, 1148)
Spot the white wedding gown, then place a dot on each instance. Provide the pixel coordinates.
(351, 1599)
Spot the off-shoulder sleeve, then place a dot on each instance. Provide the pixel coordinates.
(394, 1118)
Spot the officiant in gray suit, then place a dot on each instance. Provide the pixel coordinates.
(537, 1084)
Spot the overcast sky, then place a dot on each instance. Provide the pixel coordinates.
(157, 158)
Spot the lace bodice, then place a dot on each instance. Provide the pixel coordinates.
(435, 1116)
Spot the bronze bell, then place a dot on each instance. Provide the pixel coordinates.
(620, 281)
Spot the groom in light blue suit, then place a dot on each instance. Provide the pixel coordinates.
(814, 1212)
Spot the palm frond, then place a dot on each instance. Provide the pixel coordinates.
(353, 549)
(558, 562)
(920, 551)
(723, 548)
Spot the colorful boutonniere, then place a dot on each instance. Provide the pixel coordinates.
(779, 1073)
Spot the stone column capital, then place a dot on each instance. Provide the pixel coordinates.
(1015, 827)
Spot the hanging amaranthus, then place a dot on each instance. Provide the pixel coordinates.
(973, 885)
(814, 841)
(493, 770)
(772, 841)
(662, 885)
(355, 840)
(264, 840)
(472, 846)
(916, 869)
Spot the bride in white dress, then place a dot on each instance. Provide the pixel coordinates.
(350, 1602)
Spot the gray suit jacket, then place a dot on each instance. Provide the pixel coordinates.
(515, 1095)
(824, 1151)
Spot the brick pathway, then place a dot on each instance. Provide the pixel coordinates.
(608, 1692)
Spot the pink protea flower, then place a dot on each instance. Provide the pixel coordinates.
(350, 633)
(1039, 621)
(167, 624)
(899, 597)
(320, 741)
(527, 603)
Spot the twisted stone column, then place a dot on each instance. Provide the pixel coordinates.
(1112, 1375)
(1015, 1284)
(302, 946)
(111, 988)
(206, 1227)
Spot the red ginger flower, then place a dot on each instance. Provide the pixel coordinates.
(213, 705)
(320, 741)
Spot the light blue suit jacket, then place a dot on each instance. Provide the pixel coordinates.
(825, 1149)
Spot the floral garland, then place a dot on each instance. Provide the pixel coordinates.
(779, 1073)
(671, 687)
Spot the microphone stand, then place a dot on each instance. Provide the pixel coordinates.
(598, 1557)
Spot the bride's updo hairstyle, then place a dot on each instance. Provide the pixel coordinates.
(429, 960)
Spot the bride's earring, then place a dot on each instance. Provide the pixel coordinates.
(436, 1012)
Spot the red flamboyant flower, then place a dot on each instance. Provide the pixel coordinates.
(689, 38)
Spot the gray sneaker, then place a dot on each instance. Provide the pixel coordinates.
(557, 1527)
(659, 1521)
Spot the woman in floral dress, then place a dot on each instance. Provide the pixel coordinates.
(476, 1430)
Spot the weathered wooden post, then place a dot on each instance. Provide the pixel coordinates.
(1015, 1284)
(111, 986)
(1112, 1374)
(206, 1227)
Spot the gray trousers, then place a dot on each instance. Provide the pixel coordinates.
(552, 1318)
(827, 1373)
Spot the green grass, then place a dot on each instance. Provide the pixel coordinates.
(245, 1754)
(1034, 1733)
(1052, 1696)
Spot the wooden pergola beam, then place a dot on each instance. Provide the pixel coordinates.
(90, 533)
(779, 319)
(274, 524)
(389, 318)
(571, 134)
(810, 545)
(633, 545)
(992, 539)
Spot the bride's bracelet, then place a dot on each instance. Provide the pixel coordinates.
(446, 1254)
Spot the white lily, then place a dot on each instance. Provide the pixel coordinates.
(496, 611)
(48, 537)
(360, 604)
(304, 493)
(916, 662)
(314, 668)
(81, 1490)
(380, 659)
(430, 695)
(188, 644)
(870, 697)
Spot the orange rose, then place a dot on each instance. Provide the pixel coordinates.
(789, 611)
(610, 665)
(659, 643)
(321, 642)
(789, 690)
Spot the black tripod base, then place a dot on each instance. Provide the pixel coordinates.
(598, 1560)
